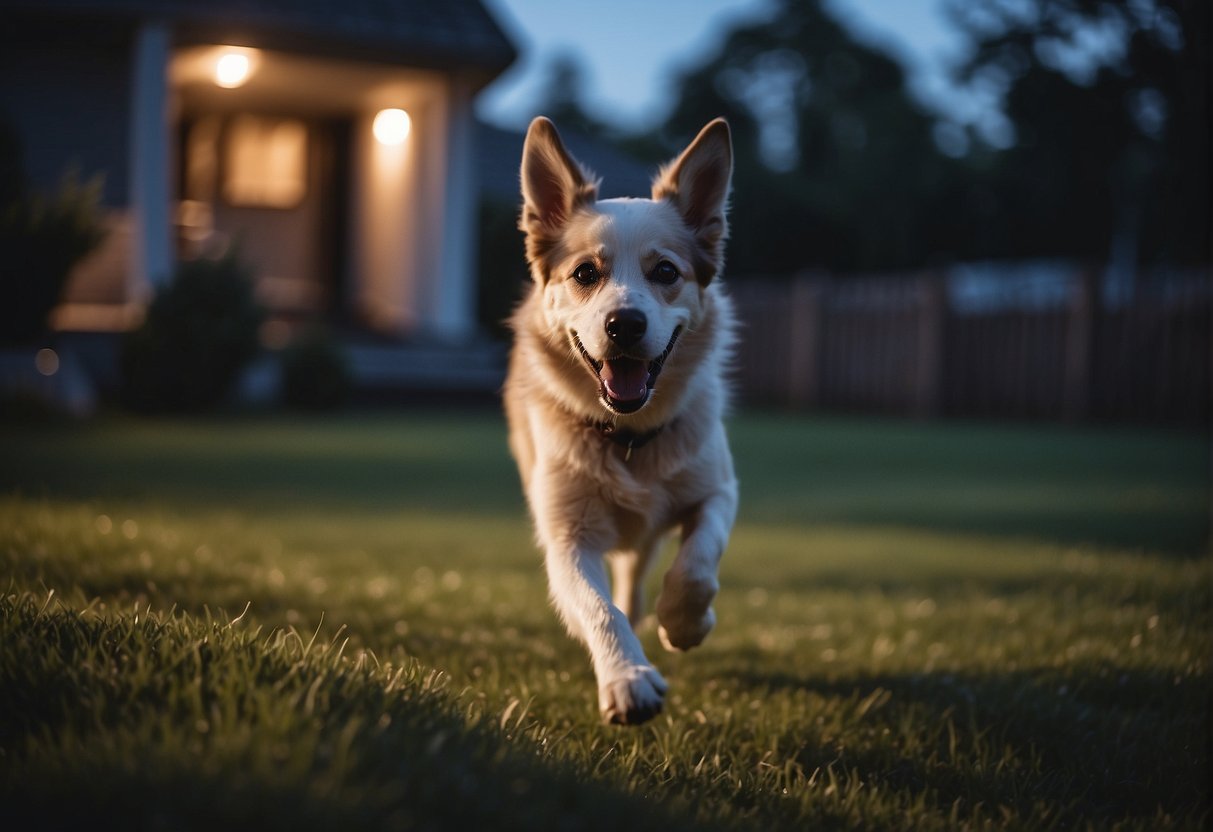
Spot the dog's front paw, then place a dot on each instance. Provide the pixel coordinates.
(634, 697)
(681, 633)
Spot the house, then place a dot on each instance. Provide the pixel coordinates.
(331, 142)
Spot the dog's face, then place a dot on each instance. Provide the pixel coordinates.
(623, 279)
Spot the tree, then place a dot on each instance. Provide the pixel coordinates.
(836, 165)
(561, 97)
(1109, 100)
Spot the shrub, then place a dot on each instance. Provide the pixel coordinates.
(41, 238)
(200, 332)
(315, 372)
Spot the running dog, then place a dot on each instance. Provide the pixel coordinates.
(615, 397)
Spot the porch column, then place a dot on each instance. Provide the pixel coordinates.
(384, 230)
(454, 295)
(150, 204)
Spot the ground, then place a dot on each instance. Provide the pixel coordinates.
(281, 622)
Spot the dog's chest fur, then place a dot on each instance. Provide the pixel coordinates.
(556, 421)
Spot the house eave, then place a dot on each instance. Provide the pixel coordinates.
(389, 52)
(478, 49)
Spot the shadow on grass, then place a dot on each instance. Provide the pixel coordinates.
(1079, 745)
(1108, 487)
(1138, 589)
(1111, 488)
(166, 722)
(206, 474)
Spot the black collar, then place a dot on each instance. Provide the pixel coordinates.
(624, 438)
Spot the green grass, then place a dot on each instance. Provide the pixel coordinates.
(309, 624)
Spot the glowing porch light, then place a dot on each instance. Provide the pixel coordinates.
(391, 126)
(233, 68)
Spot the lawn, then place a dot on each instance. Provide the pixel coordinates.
(272, 623)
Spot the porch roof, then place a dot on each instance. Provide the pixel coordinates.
(439, 34)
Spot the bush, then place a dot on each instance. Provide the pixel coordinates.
(41, 238)
(315, 372)
(200, 332)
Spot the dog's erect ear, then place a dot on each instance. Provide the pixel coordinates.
(697, 183)
(554, 185)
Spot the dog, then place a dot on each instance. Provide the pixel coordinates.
(615, 396)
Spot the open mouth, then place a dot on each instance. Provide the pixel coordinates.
(625, 382)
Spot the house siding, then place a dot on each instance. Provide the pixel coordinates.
(92, 85)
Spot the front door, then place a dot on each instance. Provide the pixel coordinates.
(272, 189)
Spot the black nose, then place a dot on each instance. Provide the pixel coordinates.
(626, 327)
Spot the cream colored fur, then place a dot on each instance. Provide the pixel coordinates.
(594, 500)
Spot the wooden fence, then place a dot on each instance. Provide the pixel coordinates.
(898, 345)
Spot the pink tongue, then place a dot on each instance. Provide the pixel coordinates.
(626, 379)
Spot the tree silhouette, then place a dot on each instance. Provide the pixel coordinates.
(1110, 104)
(838, 166)
(563, 93)
(836, 163)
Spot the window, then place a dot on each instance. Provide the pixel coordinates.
(266, 162)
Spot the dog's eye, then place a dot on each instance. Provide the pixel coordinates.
(664, 272)
(586, 274)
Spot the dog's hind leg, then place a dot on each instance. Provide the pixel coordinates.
(628, 571)
(626, 585)
(684, 608)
